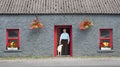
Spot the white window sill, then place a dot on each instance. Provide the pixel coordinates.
(12, 50)
(105, 48)
(105, 51)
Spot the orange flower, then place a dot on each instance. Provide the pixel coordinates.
(81, 26)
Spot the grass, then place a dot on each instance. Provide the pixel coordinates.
(97, 57)
(48, 57)
(25, 57)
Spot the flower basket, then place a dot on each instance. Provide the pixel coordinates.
(105, 45)
(85, 25)
(36, 24)
(12, 46)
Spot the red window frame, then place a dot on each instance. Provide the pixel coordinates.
(14, 38)
(107, 38)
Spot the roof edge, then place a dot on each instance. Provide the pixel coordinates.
(59, 13)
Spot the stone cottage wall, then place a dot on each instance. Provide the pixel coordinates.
(41, 42)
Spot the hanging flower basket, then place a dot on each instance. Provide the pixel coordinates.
(36, 24)
(85, 25)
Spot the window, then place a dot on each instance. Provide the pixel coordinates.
(12, 39)
(106, 39)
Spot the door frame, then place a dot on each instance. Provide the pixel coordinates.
(55, 37)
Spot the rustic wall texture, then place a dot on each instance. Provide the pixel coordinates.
(40, 42)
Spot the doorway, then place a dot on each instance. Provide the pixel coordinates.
(58, 30)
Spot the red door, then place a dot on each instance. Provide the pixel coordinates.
(57, 32)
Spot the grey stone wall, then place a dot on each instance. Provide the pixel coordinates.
(41, 42)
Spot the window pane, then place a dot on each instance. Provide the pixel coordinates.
(104, 40)
(12, 43)
(12, 33)
(105, 33)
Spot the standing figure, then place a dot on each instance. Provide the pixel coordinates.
(64, 39)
